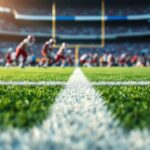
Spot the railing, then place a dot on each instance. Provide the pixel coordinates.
(18, 16)
(77, 37)
(82, 18)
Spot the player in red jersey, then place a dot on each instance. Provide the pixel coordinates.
(60, 56)
(95, 60)
(85, 60)
(24, 48)
(47, 53)
(8, 57)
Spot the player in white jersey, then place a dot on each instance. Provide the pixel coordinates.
(60, 56)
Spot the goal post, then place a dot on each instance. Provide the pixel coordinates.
(79, 48)
(103, 23)
(54, 19)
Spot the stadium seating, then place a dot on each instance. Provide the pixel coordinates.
(82, 11)
(6, 25)
(127, 10)
(79, 30)
(70, 30)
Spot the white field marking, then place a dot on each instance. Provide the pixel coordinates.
(53, 83)
(112, 83)
(41, 83)
(79, 120)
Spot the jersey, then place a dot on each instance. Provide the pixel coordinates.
(25, 45)
(47, 49)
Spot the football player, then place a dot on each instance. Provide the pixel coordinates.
(47, 53)
(95, 60)
(85, 59)
(9, 58)
(24, 48)
(60, 56)
(69, 58)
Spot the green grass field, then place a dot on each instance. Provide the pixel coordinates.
(26, 106)
(117, 74)
(35, 74)
(128, 104)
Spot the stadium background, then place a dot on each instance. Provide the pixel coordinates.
(79, 108)
(127, 28)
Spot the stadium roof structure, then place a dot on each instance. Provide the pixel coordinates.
(76, 2)
(87, 1)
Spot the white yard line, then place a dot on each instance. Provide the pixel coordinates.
(53, 83)
(111, 83)
(42, 83)
(79, 121)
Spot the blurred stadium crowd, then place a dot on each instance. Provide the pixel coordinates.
(119, 50)
(71, 29)
(80, 10)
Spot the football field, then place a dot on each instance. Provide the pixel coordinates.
(75, 108)
(24, 103)
(126, 93)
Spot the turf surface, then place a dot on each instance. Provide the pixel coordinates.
(129, 104)
(25, 106)
(35, 74)
(117, 74)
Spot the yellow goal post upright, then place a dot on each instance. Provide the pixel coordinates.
(102, 45)
(54, 19)
(103, 23)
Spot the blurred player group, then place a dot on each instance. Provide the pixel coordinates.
(109, 59)
(23, 51)
(24, 56)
